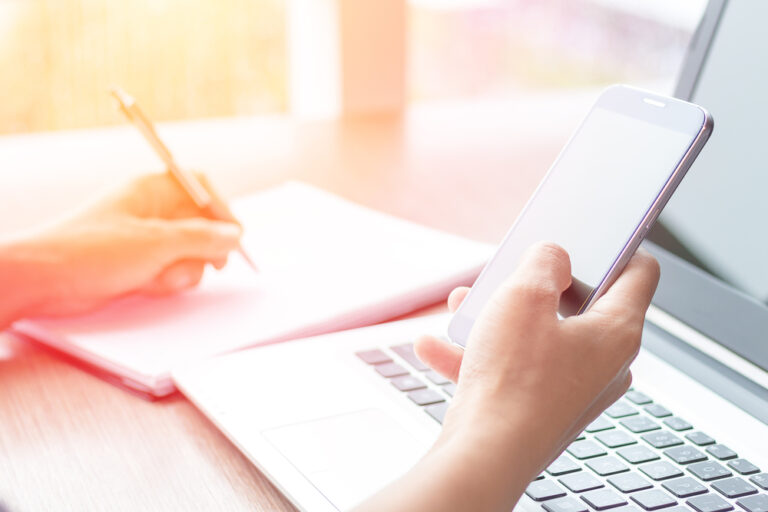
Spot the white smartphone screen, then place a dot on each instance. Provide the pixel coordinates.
(591, 202)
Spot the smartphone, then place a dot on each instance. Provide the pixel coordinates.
(600, 197)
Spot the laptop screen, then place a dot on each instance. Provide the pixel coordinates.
(718, 218)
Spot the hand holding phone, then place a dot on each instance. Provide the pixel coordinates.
(600, 197)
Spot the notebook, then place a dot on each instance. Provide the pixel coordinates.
(326, 264)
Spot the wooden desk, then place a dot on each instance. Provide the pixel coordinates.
(72, 442)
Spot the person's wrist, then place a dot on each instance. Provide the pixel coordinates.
(507, 432)
(487, 461)
(29, 269)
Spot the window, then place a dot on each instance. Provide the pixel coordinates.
(180, 58)
(187, 59)
(464, 48)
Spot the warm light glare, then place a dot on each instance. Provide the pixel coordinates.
(182, 58)
(187, 59)
(313, 50)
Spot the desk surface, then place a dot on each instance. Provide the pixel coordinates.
(70, 441)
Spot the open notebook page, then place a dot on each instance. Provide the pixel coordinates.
(326, 264)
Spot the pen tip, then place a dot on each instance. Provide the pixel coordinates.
(248, 260)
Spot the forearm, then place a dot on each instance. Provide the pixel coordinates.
(27, 277)
(481, 471)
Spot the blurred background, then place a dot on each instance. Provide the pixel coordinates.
(193, 59)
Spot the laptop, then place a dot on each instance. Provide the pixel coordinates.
(334, 418)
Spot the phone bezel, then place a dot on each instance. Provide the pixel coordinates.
(663, 111)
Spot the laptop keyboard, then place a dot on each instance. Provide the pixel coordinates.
(637, 456)
(424, 387)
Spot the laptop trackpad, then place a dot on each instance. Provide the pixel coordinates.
(336, 453)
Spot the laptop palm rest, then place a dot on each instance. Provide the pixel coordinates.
(335, 453)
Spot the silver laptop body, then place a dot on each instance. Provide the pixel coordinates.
(332, 419)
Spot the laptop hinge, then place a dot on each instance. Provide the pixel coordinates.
(708, 346)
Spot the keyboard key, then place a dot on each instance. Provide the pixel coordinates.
(638, 424)
(733, 487)
(407, 353)
(709, 503)
(699, 438)
(407, 383)
(581, 481)
(563, 465)
(390, 370)
(677, 424)
(629, 482)
(565, 505)
(436, 378)
(637, 397)
(544, 490)
(721, 451)
(709, 470)
(585, 449)
(426, 396)
(449, 389)
(373, 356)
(615, 438)
(653, 499)
(620, 410)
(684, 487)
(743, 466)
(684, 454)
(658, 411)
(605, 466)
(660, 470)
(662, 439)
(637, 454)
(603, 499)
(437, 411)
(760, 480)
(754, 503)
(600, 424)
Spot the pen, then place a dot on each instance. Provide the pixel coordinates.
(202, 198)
